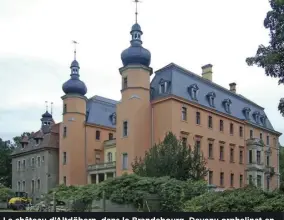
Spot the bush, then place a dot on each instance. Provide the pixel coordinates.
(133, 189)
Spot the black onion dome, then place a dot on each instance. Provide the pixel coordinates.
(74, 85)
(136, 53)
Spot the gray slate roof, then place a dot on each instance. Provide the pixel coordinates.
(180, 79)
(100, 110)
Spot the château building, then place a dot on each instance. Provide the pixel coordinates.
(98, 138)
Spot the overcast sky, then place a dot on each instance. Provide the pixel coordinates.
(36, 49)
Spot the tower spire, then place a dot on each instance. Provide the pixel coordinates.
(75, 43)
(46, 106)
(136, 10)
(51, 105)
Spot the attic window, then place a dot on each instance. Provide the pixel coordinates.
(211, 96)
(246, 112)
(227, 105)
(256, 117)
(113, 118)
(263, 119)
(164, 85)
(193, 91)
(23, 145)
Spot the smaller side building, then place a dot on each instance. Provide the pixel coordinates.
(35, 161)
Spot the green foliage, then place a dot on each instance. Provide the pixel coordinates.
(249, 199)
(17, 139)
(133, 189)
(171, 158)
(5, 163)
(5, 193)
(271, 57)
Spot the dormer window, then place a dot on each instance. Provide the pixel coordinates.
(211, 96)
(113, 118)
(263, 119)
(193, 91)
(227, 105)
(246, 112)
(164, 85)
(256, 116)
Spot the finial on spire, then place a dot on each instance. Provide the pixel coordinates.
(136, 11)
(46, 105)
(75, 43)
(51, 105)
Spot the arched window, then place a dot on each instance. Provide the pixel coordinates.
(109, 157)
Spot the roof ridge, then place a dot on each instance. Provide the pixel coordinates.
(211, 83)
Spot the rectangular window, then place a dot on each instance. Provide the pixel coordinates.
(241, 157)
(231, 128)
(241, 180)
(124, 161)
(258, 157)
(210, 122)
(267, 161)
(198, 118)
(33, 186)
(258, 179)
(210, 150)
(250, 156)
(125, 129)
(64, 108)
(65, 131)
(98, 135)
(42, 158)
(231, 155)
(18, 165)
(184, 141)
(267, 140)
(184, 113)
(38, 184)
(222, 179)
(64, 180)
(124, 86)
(198, 146)
(24, 186)
(251, 134)
(232, 180)
(33, 162)
(19, 186)
(64, 158)
(38, 161)
(110, 136)
(210, 179)
(221, 125)
(98, 157)
(24, 164)
(241, 131)
(37, 141)
(162, 88)
(221, 152)
(260, 136)
(250, 180)
(267, 182)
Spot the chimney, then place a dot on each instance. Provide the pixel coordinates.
(207, 72)
(233, 87)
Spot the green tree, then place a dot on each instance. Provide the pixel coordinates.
(6, 148)
(271, 57)
(17, 139)
(171, 158)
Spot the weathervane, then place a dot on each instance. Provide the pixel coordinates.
(75, 43)
(136, 11)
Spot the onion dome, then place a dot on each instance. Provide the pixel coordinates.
(74, 85)
(136, 54)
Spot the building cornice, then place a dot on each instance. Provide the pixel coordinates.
(35, 150)
(74, 96)
(100, 126)
(138, 66)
